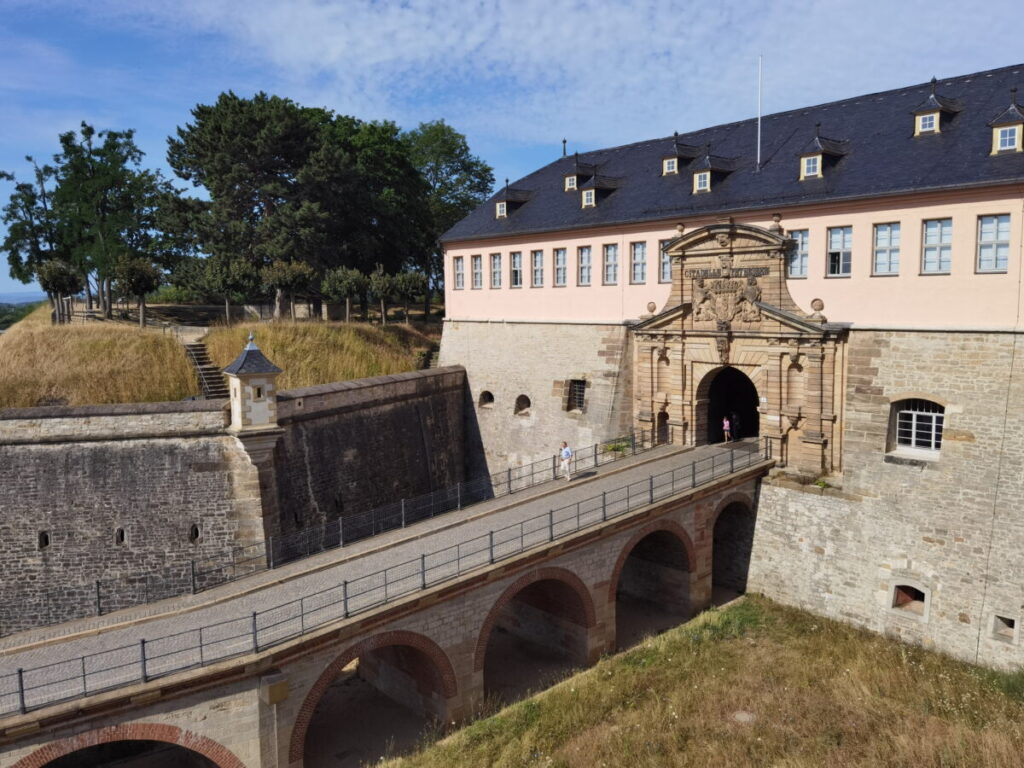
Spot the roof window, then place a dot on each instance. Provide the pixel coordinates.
(818, 153)
(588, 198)
(1008, 128)
(570, 182)
(928, 115)
(501, 210)
(810, 167)
(508, 201)
(701, 182)
(669, 166)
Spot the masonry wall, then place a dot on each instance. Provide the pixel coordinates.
(538, 360)
(952, 528)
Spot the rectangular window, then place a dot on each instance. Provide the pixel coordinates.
(588, 198)
(919, 424)
(668, 165)
(665, 263)
(570, 182)
(611, 264)
(516, 259)
(840, 251)
(993, 243)
(810, 167)
(702, 181)
(538, 268)
(583, 257)
(926, 123)
(1007, 138)
(887, 249)
(561, 267)
(638, 263)
(460, 274)
(577, 395)
(937, 246)
(502, 210)
(478, 271)
(495, 270)
(796, 261)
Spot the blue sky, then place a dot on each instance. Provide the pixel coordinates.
(515, 77)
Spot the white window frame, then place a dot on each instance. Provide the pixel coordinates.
(459, 267)
(584, 265)
(998, 246)
(537, 276)
(560, 258)
(570, 183)
(917, 427)
(610, 257)
(939, 252)
(840, 257)
(885, 257)
(515, 265)
(799, 257)
(501, 211)
(664, 263)
(588, 198)
(638, 263)
(477, 263)
(701, 182)
(810, 167)
(927, 123)
(495, 270)
(1006, 138)
(669, 166)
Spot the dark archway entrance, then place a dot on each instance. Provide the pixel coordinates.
(664, 432)
(732, 544)
(653, 590)
(734, 395)
(133, 754)
(538, 636)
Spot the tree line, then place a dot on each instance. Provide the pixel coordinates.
(285, 201)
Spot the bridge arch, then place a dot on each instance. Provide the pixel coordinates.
(732, 527)
(216, 753)
(419, 643)
(652, 584)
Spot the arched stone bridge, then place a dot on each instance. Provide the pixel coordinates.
(439, 651)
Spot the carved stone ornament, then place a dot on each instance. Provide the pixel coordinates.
(816, 317)
(651, 306)
(722, 343)
(723, 239)
(723, 300)
(725, 259)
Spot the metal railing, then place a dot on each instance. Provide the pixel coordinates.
(31, 688)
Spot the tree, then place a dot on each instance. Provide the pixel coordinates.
(59, 279)
(31, 238)
(137, 277)
(287, 277)
(458, 182)
(382, 286)
(409, 285)
(345, 283)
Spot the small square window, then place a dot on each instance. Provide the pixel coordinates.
(669, 166)
(928, 123)
(702, 181)
(588, 198)
(570, 182)
(502, 210)
(1006, 139)
(810, 167)
(1004, 629)
(577, 395)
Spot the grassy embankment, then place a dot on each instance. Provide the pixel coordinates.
(41, 364)
(319, 353)
(756, 684)
(13, 313)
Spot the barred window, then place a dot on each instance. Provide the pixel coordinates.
(919, 424)
(577, 395)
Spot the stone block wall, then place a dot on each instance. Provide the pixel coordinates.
(538, 360)
(950, 527)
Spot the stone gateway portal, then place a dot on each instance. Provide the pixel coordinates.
(731, 395)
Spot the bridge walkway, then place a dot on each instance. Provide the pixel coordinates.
(92, 657)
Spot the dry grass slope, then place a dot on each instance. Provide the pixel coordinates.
(319, 353)
(42, 364)
(820, 694)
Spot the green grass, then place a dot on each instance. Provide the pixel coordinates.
(13, 313)
(815, 692)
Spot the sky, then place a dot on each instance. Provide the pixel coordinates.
(514, 77)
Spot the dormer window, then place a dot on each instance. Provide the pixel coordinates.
(588, 198)
(810, 167)
(669, 166)
(570, 183)
(927, 123)
(701, 182)
(501, 210)
(1006, 138)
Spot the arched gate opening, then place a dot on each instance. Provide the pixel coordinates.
(732, 394)
(133, 754)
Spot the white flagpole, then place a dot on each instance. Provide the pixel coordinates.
(759, 57)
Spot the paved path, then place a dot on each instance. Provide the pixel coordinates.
(217, 624)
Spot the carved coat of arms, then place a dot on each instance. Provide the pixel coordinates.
(726, 299)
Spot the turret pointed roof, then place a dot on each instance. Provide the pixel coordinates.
(251, 361)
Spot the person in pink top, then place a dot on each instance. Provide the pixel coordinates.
(727, 429)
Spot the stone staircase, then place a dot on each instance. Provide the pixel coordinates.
(210, 377)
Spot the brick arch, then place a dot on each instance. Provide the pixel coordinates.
(218, 754)
(567, 577)
(732, 498)
(653, 527)
(411, 639)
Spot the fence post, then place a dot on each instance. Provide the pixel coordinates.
(423, 571)
(341, 531)
(255, 637)
(270, 551)
(403, 512)
(490, 546)
(193, 569)
(604, 506)
(732, 460)
(458, 495)
(344, 599)
(99, 604)
(551, 525)
(142, 656)
(554, 467)
(21, 690)
(632, 442)
(595, 455)
(508, 479)
(693, 474)
(650, 485)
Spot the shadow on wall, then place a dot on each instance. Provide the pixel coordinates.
(475, 457)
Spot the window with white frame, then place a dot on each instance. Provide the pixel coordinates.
(1007, 138)
(583, 263)
(611, 264)
(669, 166)
(928, 122)
(495, 270)
(840, 251)
(537, 257)
(917, 425)
(638, 263)
(570, 182)
(460, 273)
(664, 263)
(796, 261)
(501, 210)
(937, 246)
(588, 198)
(886, 249)
(478, 271)
(993, 243)
(516, 262)
(561, 267)
(702, 181)
(810, 167)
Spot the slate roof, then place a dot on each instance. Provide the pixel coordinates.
(881, 156)
(251, 361)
